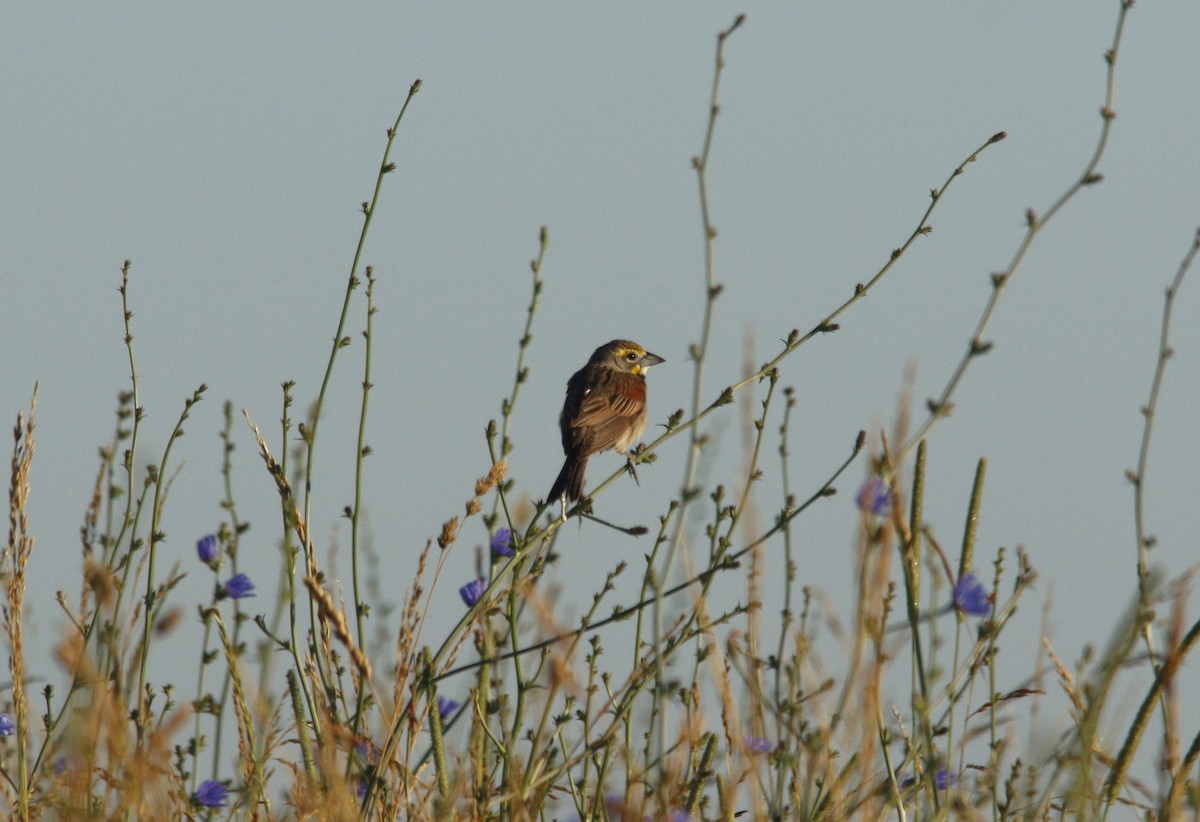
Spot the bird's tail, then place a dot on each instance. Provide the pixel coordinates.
(570, 481)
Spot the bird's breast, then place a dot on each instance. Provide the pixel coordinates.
(632, 388)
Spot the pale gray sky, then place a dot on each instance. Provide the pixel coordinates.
(225, 149)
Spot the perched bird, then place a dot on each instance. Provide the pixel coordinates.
(605, 408)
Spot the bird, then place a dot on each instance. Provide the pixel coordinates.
(605, 408)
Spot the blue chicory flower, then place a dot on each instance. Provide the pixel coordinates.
(210, 794)
(874, 497)
(445, 707)
(502, 543)
(943, 779)
(7, 726)
(758, 745)
(206, 548)
(239, 586)
(971, 597)
(472, 591)
(368, 750)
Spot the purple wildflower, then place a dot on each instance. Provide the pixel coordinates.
(445, 707)
(206, 548)
(758, 745)
(874, 497)
(472, 591)
(971, 597)
(943, 779)
(7, 727)
(239, 586)
(210, 794)
(368, 750)
(502, 543)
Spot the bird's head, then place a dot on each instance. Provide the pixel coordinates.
(625, 355)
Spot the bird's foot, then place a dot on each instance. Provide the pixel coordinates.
(629, 466)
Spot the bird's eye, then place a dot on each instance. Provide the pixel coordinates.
(631, 356)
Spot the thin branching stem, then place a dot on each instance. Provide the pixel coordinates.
(1138, 476)
(723, 563)
(340, 341)
(977, 346)
(786, 615)
(699, 353)
(360, 454)
(150, 603)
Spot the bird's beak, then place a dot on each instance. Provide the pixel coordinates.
(651, 359)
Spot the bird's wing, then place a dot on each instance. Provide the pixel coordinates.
(624, 397)
(604, 415)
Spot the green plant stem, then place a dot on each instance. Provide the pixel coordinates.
(205, 657)
(306, 749)
(548, 703)
(1034, 224)
(340, 341)
(1180, 781)
(518, 714)
(252, 766)
(130, 459)
(960, 618)
(794, 340)
(911, 563)
(127, 407)
(508, 405)
(723, 542)
(651, 591)
(143, 703)
(1138, 477)
(893, 788)
(619, 709)
(994, 741)
(132, 515)
(360, 455)
(703, 579)
(776, 804)
(290, 552)
(1166, 673)
(231, 549)
(699, 352)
